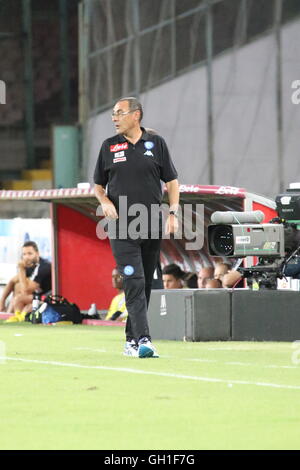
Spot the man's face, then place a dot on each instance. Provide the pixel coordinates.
(220, 270)
(213, 284)
(204, 274)
(30, 256)
(124, 122)
(117, 281)
(170, 282)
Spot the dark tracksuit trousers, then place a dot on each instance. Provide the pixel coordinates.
(136, 261)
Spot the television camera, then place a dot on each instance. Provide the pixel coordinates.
(276, 244)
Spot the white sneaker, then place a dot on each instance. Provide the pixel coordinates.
(146, 349)
(131, 349)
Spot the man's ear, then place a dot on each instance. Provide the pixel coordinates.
(137, 115)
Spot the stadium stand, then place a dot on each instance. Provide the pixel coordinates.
(47, 94)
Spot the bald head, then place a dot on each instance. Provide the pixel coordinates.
(213, 284)
(231, 278)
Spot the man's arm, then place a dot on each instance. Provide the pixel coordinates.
(26, 286)
(22, 277)
(173, 194)
(231, 278)
(108, 207)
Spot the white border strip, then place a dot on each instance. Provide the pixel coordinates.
(158, 374)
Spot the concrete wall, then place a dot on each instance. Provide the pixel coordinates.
(245, 126)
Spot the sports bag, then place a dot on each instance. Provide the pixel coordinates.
(66, 310)
(55, 308)
(49, 315)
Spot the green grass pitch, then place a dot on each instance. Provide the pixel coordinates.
(70, 387)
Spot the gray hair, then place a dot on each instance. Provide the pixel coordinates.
(134, 104)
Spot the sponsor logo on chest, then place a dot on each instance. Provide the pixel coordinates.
(119, 147)
(148, 146)
(119, 157)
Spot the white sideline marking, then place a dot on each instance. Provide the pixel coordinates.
(196, 359)
(91, 349)
(244, 348)
(115, 353)
(158, 374)
(238, 363)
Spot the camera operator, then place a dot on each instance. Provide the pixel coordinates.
(292, 246)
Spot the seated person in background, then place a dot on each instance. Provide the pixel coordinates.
(231, 279)
(220, 270)
(190, 281)
(213, 284)
(292, 269)
(117, 309)
(34, 276)
(203, 275)
(173, 276)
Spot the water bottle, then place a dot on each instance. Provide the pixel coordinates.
(35, 306)
(92, 310)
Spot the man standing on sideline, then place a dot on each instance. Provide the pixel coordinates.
(133, 163)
